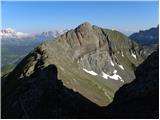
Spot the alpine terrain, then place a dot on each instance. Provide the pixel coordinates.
(73, 76)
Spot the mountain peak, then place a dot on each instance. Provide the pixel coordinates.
(85, 25)
(9, 30)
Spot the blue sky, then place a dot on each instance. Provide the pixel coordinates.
(42, 16)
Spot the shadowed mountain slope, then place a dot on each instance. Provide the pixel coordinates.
(42, 95)
(140, 98)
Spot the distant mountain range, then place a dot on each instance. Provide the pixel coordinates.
(15, 45)
(147, 37)
(11, 35)
(59, 77)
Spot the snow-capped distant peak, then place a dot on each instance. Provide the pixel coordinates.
(54, 33)
(11, 33)
(21, 34)
(49, 35)
(9, 30)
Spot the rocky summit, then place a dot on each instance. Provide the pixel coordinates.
(87, 64)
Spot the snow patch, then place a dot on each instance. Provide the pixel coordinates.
(121, 67)
(134, 55)
(115, 71)
(122, 80)
(122, 54)
(112, 63)
(114, 76)
(104, 75)
(90, 72)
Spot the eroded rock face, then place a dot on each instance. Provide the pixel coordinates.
(92, 61)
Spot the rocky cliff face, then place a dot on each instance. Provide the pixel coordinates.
(92, 61)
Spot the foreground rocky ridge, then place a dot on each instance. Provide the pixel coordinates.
(42, 95)
(92, 61)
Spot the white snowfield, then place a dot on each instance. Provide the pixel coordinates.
(122, 80)
(112, 63)
(121, 67)
(115, 71)
(134, 55)
(114, 76)
(106, 76)
(90, 72)
(122, 54)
